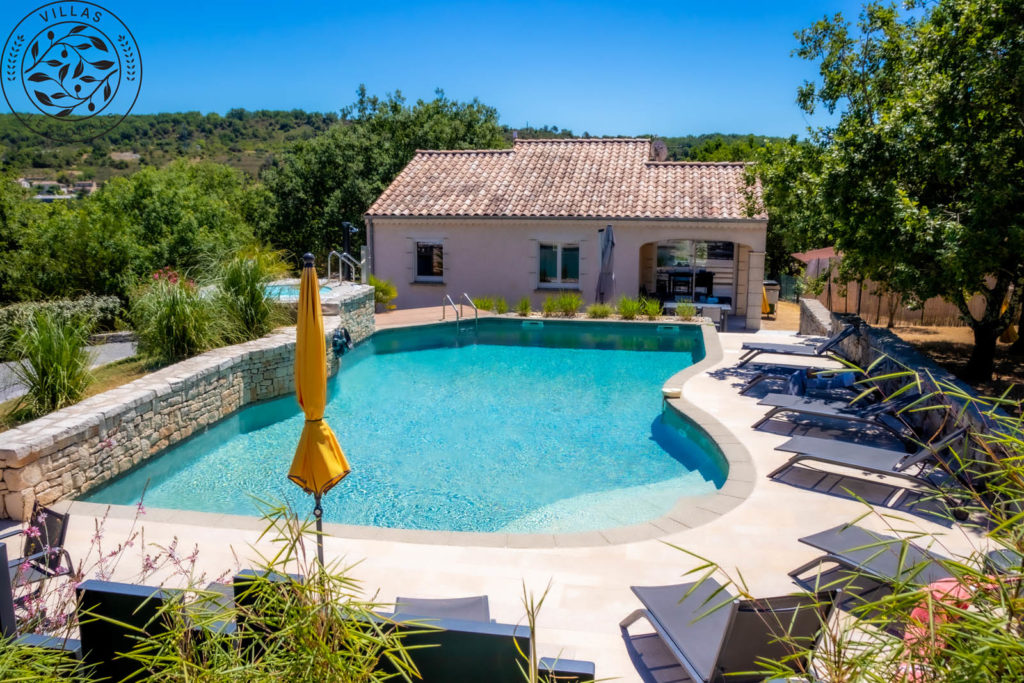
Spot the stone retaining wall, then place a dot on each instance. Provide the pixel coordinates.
(74, 450)
(872, 343)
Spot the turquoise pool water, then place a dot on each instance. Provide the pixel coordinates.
(289, 291)
(518, 429)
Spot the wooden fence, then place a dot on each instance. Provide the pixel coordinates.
(877, 308)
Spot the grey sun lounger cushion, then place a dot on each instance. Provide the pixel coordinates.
(474, 608)
(754, 349)
(885, 559)
(868, 413)
(714, 635)
(863, 457)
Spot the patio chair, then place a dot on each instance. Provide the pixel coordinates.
(884, 559)
(862, 413)
(717, 637)
(9, 621)
(43, 554)
(755, 349)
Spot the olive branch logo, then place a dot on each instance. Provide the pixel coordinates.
(89, 85)
(129, 57)
(12, 58)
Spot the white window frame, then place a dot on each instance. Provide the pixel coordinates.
(416, 257)
(557, 283)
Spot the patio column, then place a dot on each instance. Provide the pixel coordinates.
(755, 280)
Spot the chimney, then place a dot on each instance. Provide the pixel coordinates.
(515, 135)
(659, 150)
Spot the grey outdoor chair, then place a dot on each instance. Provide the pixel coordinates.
(754, 349)
(475, 608)
(9, 621)
(43, 554)
(717, 637)
(863, 413)
(884, 559)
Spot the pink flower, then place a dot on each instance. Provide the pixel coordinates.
(32, 532)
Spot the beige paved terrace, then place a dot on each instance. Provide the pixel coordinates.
(589, 585)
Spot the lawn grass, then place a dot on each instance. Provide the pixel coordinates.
(106, 377)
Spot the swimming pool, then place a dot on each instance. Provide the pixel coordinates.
(515, 426)
(289, 291)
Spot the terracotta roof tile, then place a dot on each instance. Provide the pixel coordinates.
(599, 178)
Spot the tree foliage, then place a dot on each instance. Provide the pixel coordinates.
(918, 184)
(184, 216)
(335, 177)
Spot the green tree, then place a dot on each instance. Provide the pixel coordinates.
(918, 184)
(185, 216)
(335, 176)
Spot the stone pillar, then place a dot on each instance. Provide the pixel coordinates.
(755, 281)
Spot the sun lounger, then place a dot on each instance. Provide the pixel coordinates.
(754, 349)
(864, 413)
(884, 559)
(1005, 561)
(475, 608)
(813, 379)
(866, 458)
(454, 639)
(715, 644)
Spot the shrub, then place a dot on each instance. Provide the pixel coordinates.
(549, 307)
(651, 308)
(599, 311)
(104, 312)
(384, 292)
(500, 306)
(248, 310)
(523, 307)
(686, 310)
(54, 362)
(568, 303)
(299, 630)
(484, 303)
(174, 321)
(629, 308)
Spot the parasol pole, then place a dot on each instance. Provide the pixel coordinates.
(318, 513)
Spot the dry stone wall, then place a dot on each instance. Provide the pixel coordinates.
(74, 450)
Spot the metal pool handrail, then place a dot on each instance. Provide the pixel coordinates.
(476, 311)
(447, 298)
(329, 257)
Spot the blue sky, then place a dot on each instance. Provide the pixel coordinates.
(627, 68)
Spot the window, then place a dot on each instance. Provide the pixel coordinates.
(559, 265)
(429, 262)
(720, 251)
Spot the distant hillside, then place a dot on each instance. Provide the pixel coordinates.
(248, 140)
(240, 138)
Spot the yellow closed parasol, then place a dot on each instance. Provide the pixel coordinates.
(319, 462)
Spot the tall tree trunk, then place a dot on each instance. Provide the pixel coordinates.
(983, 355)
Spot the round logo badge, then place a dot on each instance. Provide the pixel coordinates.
(71, 71)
